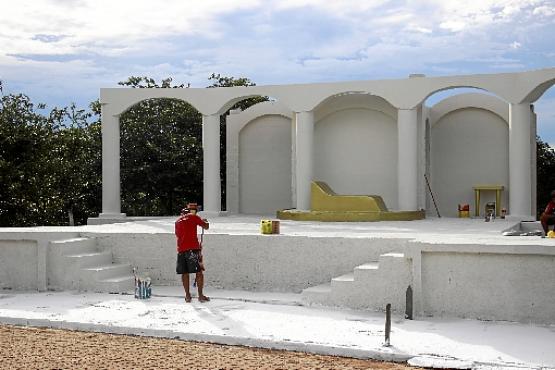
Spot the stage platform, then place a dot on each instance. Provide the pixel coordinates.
(454, 267)
(431, 230)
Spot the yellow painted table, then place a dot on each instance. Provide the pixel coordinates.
(479, 188)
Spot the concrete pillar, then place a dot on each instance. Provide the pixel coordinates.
(111, 188)
(212, 188)
(520, 169)
(294, 161)
(407, 159)
(303, 145)
(534, 160)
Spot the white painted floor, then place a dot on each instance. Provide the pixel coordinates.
(431, 230)
(278, 321)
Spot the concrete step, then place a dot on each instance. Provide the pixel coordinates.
(366, 271)
(99, 273)
(116, 284)
(319, 294)
(342, 282)
(74, 245)
(90, 259)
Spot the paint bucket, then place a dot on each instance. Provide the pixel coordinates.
(266, 226)
(464, 211)
(143, 286)
(269, 227)
(275, 226)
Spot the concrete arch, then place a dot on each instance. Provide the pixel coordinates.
(469, 100)
(156, 98)
(352, 100)
(461, 159)
(237, 122)
(355, 145)
(539, 90)
(330, 98)
(117, 103)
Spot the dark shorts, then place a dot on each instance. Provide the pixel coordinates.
(188, 262)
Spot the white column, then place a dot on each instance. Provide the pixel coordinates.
(211, 164)
(303, 144)
(407, 159)
(520, 169)
(294, 161)
(534, 160)
(111, 196)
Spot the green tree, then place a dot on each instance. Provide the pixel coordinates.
(545, 173)
(77, 147)
(48, 163)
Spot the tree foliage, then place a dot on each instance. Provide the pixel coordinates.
(49, 163)
(545, 173)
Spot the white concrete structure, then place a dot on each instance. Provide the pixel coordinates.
(455, 267)
(360, 137)
(48, 259)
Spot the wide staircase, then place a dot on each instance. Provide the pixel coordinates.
(78, 264)
(370, 286)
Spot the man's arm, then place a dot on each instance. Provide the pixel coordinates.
(202, 222)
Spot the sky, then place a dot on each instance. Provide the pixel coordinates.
(63, 51)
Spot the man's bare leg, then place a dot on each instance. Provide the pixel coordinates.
(185, 281)
(200, 286)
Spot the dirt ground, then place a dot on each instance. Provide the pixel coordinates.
(33, 348)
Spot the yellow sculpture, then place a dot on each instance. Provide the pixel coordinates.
(326, 205)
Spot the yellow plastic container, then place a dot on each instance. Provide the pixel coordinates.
(269, 227)
(266, 226)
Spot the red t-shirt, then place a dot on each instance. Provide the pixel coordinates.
(550, 209)
(186, 232)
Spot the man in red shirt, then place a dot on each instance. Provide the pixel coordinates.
(189, 255)
(548, 216)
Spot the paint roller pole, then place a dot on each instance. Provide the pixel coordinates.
(432, 194)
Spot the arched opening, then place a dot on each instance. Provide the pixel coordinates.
(259, 156)
(544, 114)
(355, 145)
(161, 157)
(467, 144)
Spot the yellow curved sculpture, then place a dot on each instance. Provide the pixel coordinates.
(323, 198)
(326, 205)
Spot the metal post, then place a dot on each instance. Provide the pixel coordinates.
(387, 325)
(408, 303)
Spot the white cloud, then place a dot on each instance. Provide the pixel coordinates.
(278, 41)
(453, 25)
(96, 25)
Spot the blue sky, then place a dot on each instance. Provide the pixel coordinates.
(62, 51)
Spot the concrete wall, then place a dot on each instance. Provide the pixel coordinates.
(517, 287)
(24, 256)
(468, 147)
(355, 146)
(265, 165)
(18, 264)
(250, 262)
